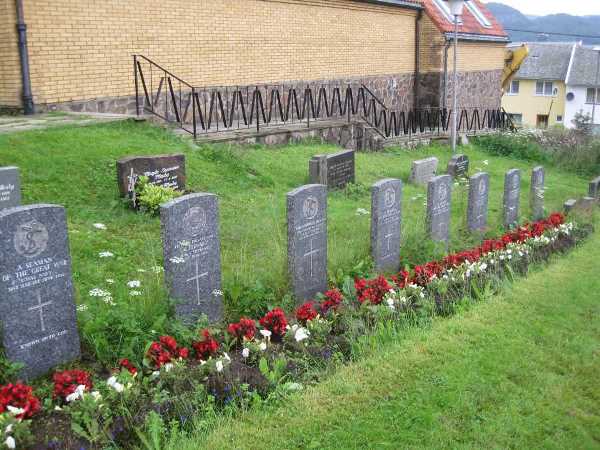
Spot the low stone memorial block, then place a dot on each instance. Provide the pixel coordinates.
(37, 307)
(192, 255)
(512, 193)
(536, 195)
(439, 199)
(307, 240)
(586, 205)
(161, 170)
(477, 210)
(335, 170)
(458, 166)
(423, 170)
(569, 205)
(594, 191)
(386, 221)
(10, 187)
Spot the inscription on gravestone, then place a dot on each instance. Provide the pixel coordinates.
(594, 191)
(458, 166)
(162, 170)
(386, 220)
(512, 192)
(335, 170)
(536, 195)
(192, 255)
(423, 170)
(307, 240)
(439, 195)
(37, 308)
(479, 187)
(10, 187)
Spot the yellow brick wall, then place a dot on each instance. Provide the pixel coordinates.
(432, 47)
(10, 72)
(82, 49)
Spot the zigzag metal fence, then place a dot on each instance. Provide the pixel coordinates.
(219, 109)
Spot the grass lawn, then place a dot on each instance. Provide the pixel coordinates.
(518, 371)
(75, 167)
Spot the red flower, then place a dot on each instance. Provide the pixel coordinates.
(206, 348)
(67, 381)
(244, 329)
(165, 350)
(402, 279)
(306, 312)
(19, 396)
(169, 343)
(333, 299)
(275, 322)
(126, 364)
(372, 291)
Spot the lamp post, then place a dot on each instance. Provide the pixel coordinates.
(456, 9)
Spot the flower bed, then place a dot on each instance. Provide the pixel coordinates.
(252, 360)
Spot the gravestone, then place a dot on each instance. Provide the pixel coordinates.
(594, 191)
(512, 192)
(335, 170)
(569, 205)
(10, 187)
(536, 195)
(161, 170)
(439, 198)
(423, 170)
(307, 240)
(37, 307)
(192, 255)
(386, 220)
(477, 211)
(586, 205)
(458, 166)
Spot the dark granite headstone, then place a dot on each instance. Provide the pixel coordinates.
(512, 192)
(192, 255)
(439, 199)
(423, 170)
(569, 205)
(307, 240)
(386, 220)
(335, 170)
(10, 187)
(477, 210)
(161, 170)
(37, 308)
(536, 195)
(458, 166)
(594, 191)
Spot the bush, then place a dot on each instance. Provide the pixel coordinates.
(151, 196)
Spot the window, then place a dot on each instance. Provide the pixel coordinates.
(559, 118)
(517, 119)
(513, 89)
(478, 15)
(445, 10)
(589, 98)
(545, 88)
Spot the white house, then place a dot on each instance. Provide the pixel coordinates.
(583, 84)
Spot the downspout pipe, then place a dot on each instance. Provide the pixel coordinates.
(417, 86)
(28, 106)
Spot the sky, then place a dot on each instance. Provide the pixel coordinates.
(545, 7)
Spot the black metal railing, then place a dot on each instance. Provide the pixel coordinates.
(218, 109)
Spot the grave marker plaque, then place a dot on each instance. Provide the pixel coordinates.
(386, 220)
(161, 170)
(10, 187)
(37, 307)
(307, 240)
(594, 191)
(423, 170)
(192, 255)
(479, 188)
(335, 170)
(439, 198)
(458, 166)
(512, 192)
(569, 205)
(536, 195)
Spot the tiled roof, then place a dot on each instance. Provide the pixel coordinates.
(584, 68)
(546, 61)
(470, 25)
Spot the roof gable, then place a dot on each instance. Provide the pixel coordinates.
(584, 68)
(546, 61)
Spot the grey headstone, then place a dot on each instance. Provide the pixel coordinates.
(458, 166)
(439, 198)
(386, 221)
(536, 195)
(10, 187)
(512, 192)
(307, 240)
(335, 170)
(192, 255)
(586, 205)
(162, 170)
(569, 205)
(37, 307)
(423, 170)
(594, 191)
(464, 139)
(477, 211)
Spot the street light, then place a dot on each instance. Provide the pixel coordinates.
(456, 9)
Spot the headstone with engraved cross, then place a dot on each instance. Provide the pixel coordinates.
(439, 197)
(307, 240)
(192, 255)
(536, 195)
(10, 187)
(479, 188)
(37, 307)
(386, 219)
(512, 193)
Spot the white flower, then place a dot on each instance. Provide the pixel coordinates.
(168, 367)
(10, 442)
(390, 303)
(362, 212)
(8, 428)
(135, 293)
(97, 292)
(263, 346)
(219, 366)
(486, 162)
(266, 333)
(106, 254)
(15, 411)
(134, 283)
(141, 270)
(226, 356)
(77, 394)
(155, 374)
(100, 226)
(96, 395)
(82, 308)
(246, 352)
(110, 280)
(113, 383)
(301, 334)
(217, 293)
